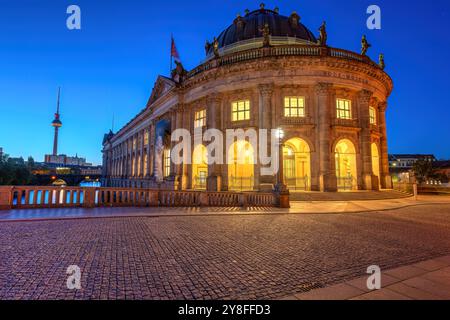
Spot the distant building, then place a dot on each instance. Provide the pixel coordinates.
(442, 170)
(64, 160)
(1, 151)
(407, 160)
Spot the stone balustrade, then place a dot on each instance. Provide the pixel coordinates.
(281, 51)
(31, 197)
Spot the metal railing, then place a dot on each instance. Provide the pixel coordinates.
(302, 184)
(405, 187)
(346, 183)
(241, 183)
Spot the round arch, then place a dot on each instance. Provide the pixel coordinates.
(346, 171)
(241, 162)
(297, 164)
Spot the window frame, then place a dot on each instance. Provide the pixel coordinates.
(344, 113)
(240, 112)
(300, 110)
(200, 118)
(373, 116)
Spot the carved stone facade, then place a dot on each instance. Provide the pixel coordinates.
(342, 148)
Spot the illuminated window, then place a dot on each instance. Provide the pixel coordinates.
(145, 164)
(200, 119)
(139, 166)
(344, 109)
(373, 115)
(166, 162)
(240, 110)
(294, 107)
(146, 137)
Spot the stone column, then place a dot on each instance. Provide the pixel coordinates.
(327, 176)
(151, 149)
(266, 182)
(181, 174)
(147, 132)
(141, 153)
(385, 179)
(213, 116)
(366, 141)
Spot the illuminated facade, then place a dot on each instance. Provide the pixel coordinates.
(266, 71)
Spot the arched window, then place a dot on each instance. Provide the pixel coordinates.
(241, 166)
(297, 164)
(346, 172)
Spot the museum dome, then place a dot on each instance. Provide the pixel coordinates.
(250, 27)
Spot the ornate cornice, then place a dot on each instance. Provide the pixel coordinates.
(382, 105)
(291, 65)
(364, 96)
(214, 98)
(266, 89)
(323, 88)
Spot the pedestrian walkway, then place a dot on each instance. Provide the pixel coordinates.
(347, 195)
(300, 207)
(428, 280)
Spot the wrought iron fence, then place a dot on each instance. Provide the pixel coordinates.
(302, 184)
(241, 183)
(346, 183)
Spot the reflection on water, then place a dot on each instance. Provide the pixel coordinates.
(91, 184)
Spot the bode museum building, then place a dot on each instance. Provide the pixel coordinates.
(265, 71)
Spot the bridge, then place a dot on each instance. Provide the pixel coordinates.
(69, 179)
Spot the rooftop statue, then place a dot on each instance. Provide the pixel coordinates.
(381, 61)
(266, 35)
(179, 73)
(365, 45)
(216, 47)
(323, 34)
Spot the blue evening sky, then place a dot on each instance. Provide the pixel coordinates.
(109, 67)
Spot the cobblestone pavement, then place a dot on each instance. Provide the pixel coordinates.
(213, 257)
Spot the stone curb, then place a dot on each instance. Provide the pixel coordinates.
(218, 214)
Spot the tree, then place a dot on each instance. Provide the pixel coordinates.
(30, 163)
(14, 171)
(423, 170)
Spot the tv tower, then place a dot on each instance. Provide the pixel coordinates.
(56, 124)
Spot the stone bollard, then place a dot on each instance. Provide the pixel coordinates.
(283, 200)
(281, 193)
(6, 197)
